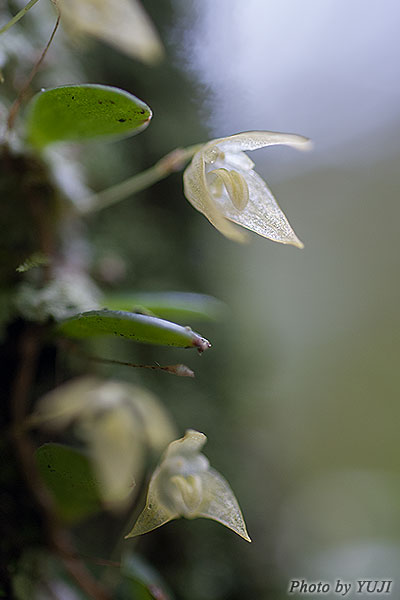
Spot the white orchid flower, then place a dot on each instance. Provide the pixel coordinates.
(184, 485)
(221, 183)
(118, 421)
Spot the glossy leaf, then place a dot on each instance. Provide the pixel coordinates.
(84, 112)
(137, 327)
(68, 475)
(179, 306)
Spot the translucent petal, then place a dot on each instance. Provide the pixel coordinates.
(262, 213)
(197, 192)
(251, 140)
(155, 513)
(238, 159)
(219, 503)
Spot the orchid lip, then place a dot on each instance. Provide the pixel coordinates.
(235, 185)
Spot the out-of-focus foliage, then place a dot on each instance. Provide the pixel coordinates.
(61, 297)
(69, 477)
(35, 260)
(180, 306)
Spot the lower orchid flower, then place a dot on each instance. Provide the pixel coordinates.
(184, 485)
(220, 182)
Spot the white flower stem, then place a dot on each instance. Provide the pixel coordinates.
(174, 161)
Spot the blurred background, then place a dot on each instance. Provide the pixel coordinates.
(299, 394)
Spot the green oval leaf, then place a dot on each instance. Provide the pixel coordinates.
(183, 306)
(141, 328)
(83, 112)
(69, 477)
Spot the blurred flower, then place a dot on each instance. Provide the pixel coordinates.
(118, 421)
(221, 184)
(184, 485)
(122, 23)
